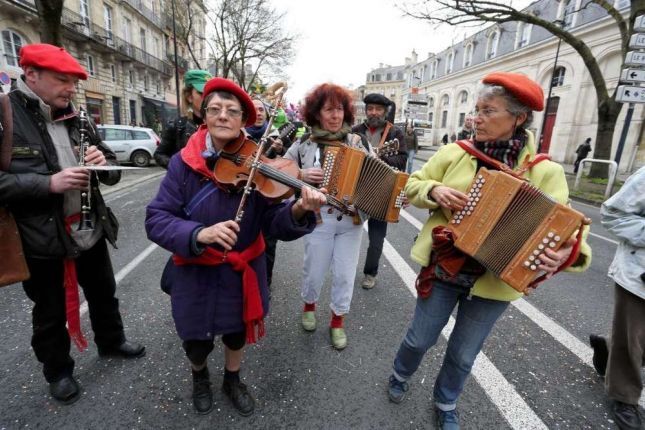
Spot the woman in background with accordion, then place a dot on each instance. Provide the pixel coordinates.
(503, 112)
(335, 242)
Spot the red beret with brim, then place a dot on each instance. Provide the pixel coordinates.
(524, 89)
(221, 84)
(50, 57)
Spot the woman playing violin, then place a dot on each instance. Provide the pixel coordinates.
(217, 276)
(334, 243)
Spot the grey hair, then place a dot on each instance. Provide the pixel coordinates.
(515, 107)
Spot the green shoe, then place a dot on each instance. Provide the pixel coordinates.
(338, 338)
(309, 320)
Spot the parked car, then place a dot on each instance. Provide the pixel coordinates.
(134, 145)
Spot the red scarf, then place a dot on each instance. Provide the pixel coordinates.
(72, 301)
(192, 152)
(252, 312)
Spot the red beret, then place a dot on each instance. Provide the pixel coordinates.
(524, 89)
(51, 57)
(221, 84)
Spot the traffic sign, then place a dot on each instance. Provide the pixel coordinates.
(639, 23)
(637, 41)
(635, 58)
(630, 94)
(632, 75)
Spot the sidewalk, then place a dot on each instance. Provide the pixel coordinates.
(589, 192)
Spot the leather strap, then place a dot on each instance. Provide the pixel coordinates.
(470, 148)
(6, 120)
(386, 130)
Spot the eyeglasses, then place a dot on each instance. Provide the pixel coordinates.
(230, 113)
(486, 113)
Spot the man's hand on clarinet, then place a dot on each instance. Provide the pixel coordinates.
(94, 157)
(72, 178)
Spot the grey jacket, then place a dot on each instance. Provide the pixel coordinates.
(624, 216)
(306, 153)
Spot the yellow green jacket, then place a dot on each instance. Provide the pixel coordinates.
(453, 167)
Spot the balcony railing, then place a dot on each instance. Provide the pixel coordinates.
(80, 25)
(140, 7)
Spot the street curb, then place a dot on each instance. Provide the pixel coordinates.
(124, 186)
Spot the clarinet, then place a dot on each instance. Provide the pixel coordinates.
(86, 220)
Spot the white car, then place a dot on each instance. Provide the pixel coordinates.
(134, 145)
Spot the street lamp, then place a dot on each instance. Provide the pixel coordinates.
(174, 38)
(559, 22)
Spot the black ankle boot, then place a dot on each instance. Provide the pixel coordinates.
(202, 393)
(239, 395)
(600, 353)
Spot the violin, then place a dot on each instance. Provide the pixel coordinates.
(274, 178)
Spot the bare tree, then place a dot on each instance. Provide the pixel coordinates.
(186, 14)
(50, 12)
(471, 12)
(249, 40)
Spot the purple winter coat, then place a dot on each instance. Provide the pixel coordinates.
(207, 300)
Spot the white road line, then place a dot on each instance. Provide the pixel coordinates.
(127, 269)
(566, 339)
(508, 401)
(603, 238)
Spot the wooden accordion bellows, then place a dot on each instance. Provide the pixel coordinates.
(508, 223)
(365, 182)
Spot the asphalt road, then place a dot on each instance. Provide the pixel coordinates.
(535, 370)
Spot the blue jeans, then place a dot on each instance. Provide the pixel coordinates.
(475, 320)
(409, 166)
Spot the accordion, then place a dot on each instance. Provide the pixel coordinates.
(364, 182)
(508, 224)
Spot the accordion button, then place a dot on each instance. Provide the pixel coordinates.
(481, 176)
(531, 257)
(533, 267)
(538, 262)
(483, 180)
(540, 246)
(527, 264)
(557, 238)
(545, 240)
(550, 235)
(552, 245)
(468, 212)
(536, 252)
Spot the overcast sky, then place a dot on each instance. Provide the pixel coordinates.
(341, 40)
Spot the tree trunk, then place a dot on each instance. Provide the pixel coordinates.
(50, 12)
(607, 116)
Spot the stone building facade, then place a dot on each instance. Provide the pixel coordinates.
(126, 47)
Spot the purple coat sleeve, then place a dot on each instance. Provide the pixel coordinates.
(165, 220)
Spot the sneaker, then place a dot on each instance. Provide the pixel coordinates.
(627, 416)
(396, 390)
(368, 282)
(447, 420)
(600, 353)
(338, 338)
(309, 320)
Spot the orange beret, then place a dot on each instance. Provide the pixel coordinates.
(524, 89)
(52, 58)
(221, 84)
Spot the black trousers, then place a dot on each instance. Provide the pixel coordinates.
(197, 350)
(50, 339)
(376, 231)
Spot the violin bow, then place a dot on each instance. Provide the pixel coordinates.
(279, 93)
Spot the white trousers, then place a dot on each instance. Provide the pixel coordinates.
(334, 244)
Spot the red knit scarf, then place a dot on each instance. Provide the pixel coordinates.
(252, 312)
(72, 300)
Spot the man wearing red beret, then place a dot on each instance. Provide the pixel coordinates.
(41, 185)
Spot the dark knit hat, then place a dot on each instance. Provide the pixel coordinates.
(524, 89)
(50, 57)
(221, 84)
(376, 99)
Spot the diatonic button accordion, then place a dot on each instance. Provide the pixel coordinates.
(364, 182)
(508, 224)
